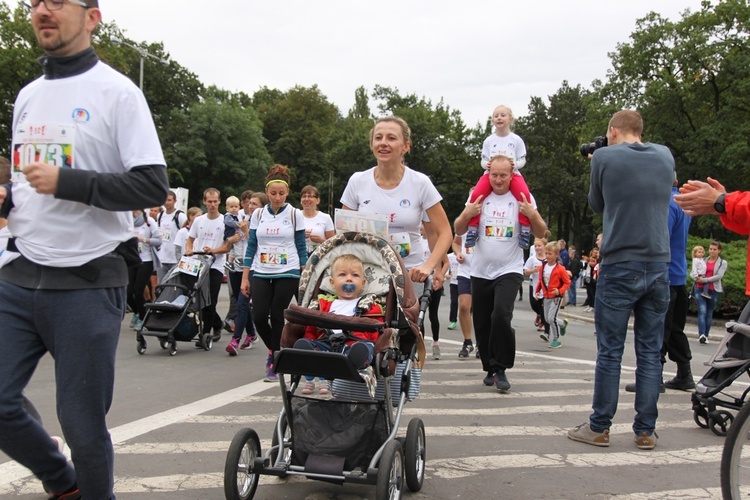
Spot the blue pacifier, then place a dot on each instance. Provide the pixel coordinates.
(348, 287)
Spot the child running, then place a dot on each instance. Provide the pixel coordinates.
(553, 284)
(506, 143)
(699, 270)
(348, 281)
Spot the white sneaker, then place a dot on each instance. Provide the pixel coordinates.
(436, 350)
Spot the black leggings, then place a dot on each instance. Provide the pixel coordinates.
(211, 318)
(270, 298)
(139, 278)
(434, 321)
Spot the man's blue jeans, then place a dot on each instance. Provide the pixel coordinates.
(643, 288)
(80, 329)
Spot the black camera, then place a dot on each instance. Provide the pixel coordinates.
(600, 141)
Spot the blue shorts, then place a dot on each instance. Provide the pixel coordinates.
(464, 285)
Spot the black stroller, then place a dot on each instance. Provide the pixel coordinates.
(345, 439)
(176, 314)
(730, 361)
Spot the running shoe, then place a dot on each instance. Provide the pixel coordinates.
(139, 325)
(436, 350)
(564, 327)
(465, 351)
(555, 344)
(703, 339)
(133, 320)
(501, 382)
(247, 344)
(233, 347)
(544, 337)
(452, 326)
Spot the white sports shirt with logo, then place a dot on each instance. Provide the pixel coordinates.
(71, 122)
(404, 204)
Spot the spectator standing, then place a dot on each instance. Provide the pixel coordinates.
(708, 288)
(574, 271)
(676, 343)
(631, 185)
(497, 269)
(63, 281)
(564, 255)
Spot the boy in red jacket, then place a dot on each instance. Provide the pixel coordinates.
(348, 281)
(553, 283)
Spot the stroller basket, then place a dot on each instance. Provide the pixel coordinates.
(341, 434)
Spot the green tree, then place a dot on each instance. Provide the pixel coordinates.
(299, 126)
(18, 60)
(690, 81)
(217, 142)
(557, 175)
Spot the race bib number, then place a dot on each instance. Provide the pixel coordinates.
(50, 144)
(273, 256)
(166, 235)
(499, 229)
(401, 243)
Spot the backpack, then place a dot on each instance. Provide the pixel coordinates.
(175, 218)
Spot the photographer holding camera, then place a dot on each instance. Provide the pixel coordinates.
(631, 185)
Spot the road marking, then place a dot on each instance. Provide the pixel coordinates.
(695, 493)
(453, 468)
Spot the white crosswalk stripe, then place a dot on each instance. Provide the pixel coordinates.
(550, 395)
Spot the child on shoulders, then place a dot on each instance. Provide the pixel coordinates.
(506, 143)
(348, 281)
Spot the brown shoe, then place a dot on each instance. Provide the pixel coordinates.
(584, 434)
(645, 442)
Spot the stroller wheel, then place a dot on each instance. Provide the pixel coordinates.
(141, 344)
(415, 452)
(390, 482)
(720, 421)
(173, 348)
(240, 478)
(701, 418)
(207, 341)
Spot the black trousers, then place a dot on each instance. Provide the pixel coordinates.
(493, 302)
(270, 298)
(676, 343)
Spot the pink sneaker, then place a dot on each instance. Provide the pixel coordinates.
(233, 347)
(308, 388)
(248, 343)
(323, 388)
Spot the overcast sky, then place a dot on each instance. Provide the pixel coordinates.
(474, 54)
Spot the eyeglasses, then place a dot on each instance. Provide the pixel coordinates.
(53, 5)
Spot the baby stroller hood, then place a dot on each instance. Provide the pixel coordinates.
(373, 250)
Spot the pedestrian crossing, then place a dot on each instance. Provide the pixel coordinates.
(480, 443)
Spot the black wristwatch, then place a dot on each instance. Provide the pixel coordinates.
(719, 205)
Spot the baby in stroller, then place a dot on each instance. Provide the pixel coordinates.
(353, 436)
(348, 281)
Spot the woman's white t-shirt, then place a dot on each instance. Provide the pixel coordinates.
(149, 230)
(497, 252)
(276, 252)
(404, 205)
(317, 225)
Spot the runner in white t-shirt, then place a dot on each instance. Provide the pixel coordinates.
(318, 225)
(276, 253)
(139, 277)
(393, 189)
(207, 235)
(170, 222)
(497, 269)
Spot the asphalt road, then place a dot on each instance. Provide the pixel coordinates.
(174, 417)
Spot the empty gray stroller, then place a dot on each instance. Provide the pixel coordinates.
(730, 361)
